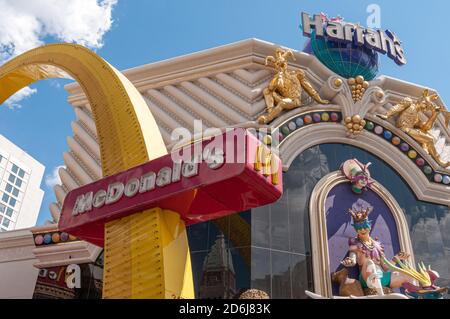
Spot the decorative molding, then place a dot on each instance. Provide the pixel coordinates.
(59, 252)
(223, 86)
(16, 245)
(76, 252)
(322, 133)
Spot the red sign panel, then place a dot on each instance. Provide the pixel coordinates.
(205, 180)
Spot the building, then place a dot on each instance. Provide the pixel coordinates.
(296, 243)
(271, 247)
(218, 275)
(20, 189)
(20, 202)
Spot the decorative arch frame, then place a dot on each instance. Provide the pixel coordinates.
(308, 136)
(319, 236)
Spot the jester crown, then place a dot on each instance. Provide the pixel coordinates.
(360, 218)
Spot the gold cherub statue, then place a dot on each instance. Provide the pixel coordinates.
(409, 121)
(285, 89)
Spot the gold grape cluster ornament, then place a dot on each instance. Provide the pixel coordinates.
(358, 87)
(354, 125)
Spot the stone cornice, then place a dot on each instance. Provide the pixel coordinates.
(242, 54)
(77, 252)
(64, 253)
(16, 238)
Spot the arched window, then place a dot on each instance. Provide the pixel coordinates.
(281, 231)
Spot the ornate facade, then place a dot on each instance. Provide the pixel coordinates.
(224, 87)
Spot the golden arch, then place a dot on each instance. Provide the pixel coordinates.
(128, 136)
(127, 132)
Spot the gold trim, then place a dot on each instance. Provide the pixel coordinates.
(319, 236)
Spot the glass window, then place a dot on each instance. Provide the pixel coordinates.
(260, 274)
(8, 188)
(283, 227)
(301, 273)
(279, 244)
(11, 178)
(9, 212)
(260, 226)
(12, 202)
(18, 182)
(6, 222)
(281, 275)
(21, 173)
(15, 192)
(5, 198)
(14, 168)
(2, 208)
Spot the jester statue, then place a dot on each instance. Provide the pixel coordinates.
(358, 174)
(409, 120)
(285, 89)
(378, 275)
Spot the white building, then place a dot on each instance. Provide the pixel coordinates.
(20, 192)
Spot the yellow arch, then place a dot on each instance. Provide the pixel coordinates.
(127, 132)
(128, 136)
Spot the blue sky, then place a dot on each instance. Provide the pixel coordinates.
(147, 31)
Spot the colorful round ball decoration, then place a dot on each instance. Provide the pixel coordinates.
(325, 117)
(56, 238)
(280, 136)
(420, 161)
(292, 126)
(316, 117)
(39, 240)
(47, 238)
(387, 135)
(369, 126)
(412, 154)
(404, 147)
(308, 119)
(378, 130)
(299, 122)
(334, 117)
(396, 140)
(72, 237)
(427, 169)
(64, 237)
(285, 130)
(446, 180)
(438, 178)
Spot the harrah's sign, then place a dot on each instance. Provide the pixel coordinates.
(209, 179)
(385, 42)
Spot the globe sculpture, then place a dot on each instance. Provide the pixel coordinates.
(346, 59)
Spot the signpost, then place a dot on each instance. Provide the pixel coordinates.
(206, 180)
(385, 42)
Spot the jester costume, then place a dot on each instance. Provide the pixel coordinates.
(374, 253)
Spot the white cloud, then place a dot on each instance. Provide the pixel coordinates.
(53, 179)
(25, 24)
(12, 102)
